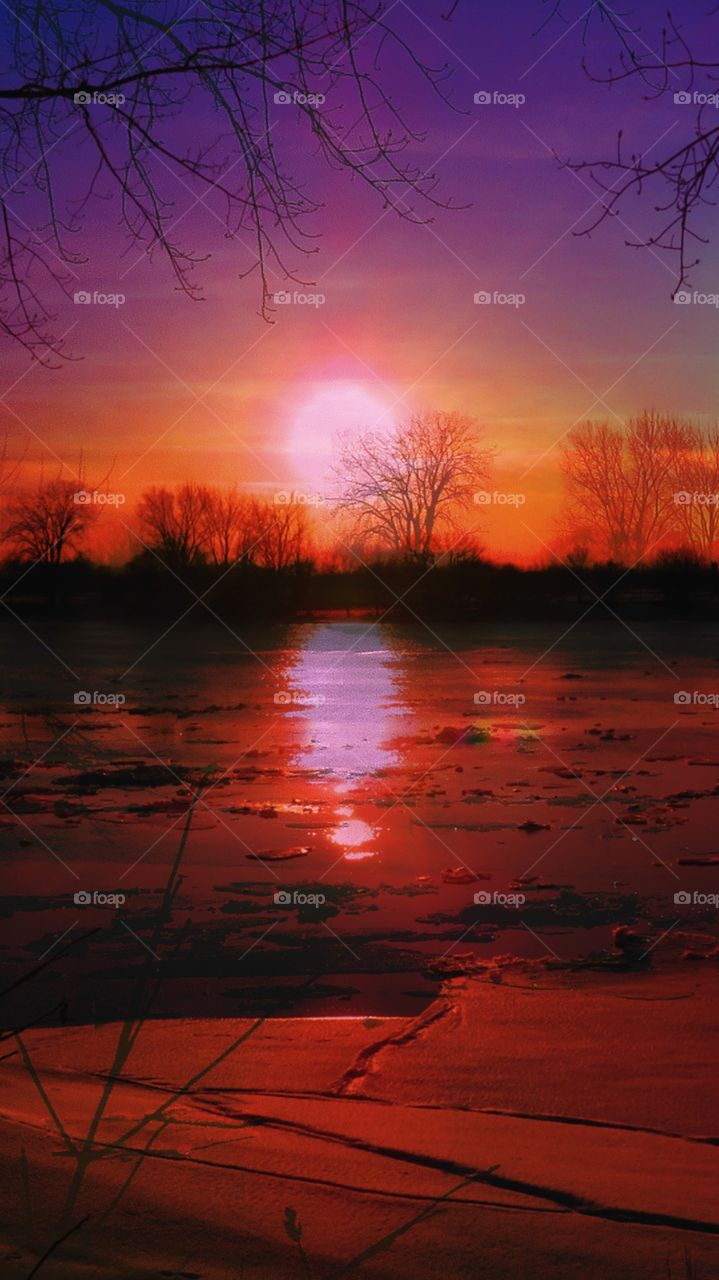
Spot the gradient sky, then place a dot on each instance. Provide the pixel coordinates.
(399, 329)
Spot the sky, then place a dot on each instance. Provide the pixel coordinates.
(163, 388)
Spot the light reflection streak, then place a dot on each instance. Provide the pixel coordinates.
(348, 723)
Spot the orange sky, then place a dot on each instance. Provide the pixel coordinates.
(166, 389)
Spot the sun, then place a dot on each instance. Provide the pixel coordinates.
(331, 411)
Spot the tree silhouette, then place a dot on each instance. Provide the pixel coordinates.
(230, 523)
(49, 522)
(281, 535)
(404, 487)
(9, 469)
(696, 497)
(197, 523)
(621, 482)
(175, 523)
(146, 99)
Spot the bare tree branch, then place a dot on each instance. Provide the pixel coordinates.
(141, 98)
(679, 184)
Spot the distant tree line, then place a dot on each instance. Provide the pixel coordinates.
(197, 523)
(633, 491)
(632, 488)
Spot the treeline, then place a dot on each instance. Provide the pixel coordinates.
(639, 527)
(183, 527)
(674, 584)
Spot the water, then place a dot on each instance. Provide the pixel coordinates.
(393, 771)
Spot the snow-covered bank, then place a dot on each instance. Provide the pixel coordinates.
(527, 1124)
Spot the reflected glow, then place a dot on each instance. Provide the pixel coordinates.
(348, 724)
(353, 832)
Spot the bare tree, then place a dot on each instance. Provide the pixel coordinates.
(402, 489)
(196, 523)
(621, 482)
(280, 535)
(176, 523)
(145, 99)
(231, 522)
(678, 173)
(8, 473)
(50, 522)
(696, 495)
(8, 469)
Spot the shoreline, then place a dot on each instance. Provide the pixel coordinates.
(513, 1096)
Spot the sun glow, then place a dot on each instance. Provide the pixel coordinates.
(332, 411)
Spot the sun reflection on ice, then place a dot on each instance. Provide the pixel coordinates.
(352, 833)
(348, 677)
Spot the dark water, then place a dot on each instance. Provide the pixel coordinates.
(393, 772)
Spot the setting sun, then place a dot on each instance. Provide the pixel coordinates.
(332, 411)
